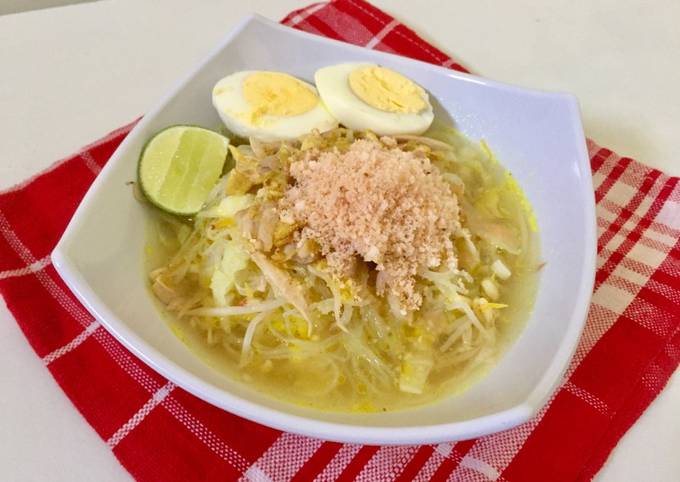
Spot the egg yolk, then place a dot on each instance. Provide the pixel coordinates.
(387, 90)
(277, 94)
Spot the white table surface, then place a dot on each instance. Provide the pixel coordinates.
(71, 74)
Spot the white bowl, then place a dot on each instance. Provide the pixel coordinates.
(537, 135)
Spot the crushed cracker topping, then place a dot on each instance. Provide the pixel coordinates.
(377, 203)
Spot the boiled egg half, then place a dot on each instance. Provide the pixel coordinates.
(270, 106)
(368, 96)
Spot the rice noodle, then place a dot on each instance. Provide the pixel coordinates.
(237, 310)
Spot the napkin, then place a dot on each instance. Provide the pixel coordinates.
(628, 350)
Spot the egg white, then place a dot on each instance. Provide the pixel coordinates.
(335, 91)
(233, 109)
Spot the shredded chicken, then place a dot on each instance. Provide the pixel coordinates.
(283, 284)
(379, 203)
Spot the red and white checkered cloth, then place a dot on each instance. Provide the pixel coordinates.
(630, 347)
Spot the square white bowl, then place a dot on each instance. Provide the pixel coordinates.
(537, 135)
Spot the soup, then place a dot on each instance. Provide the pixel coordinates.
(329, 306)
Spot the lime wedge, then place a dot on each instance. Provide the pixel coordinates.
(180, 166)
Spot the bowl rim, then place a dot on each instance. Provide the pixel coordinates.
(340, 432)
